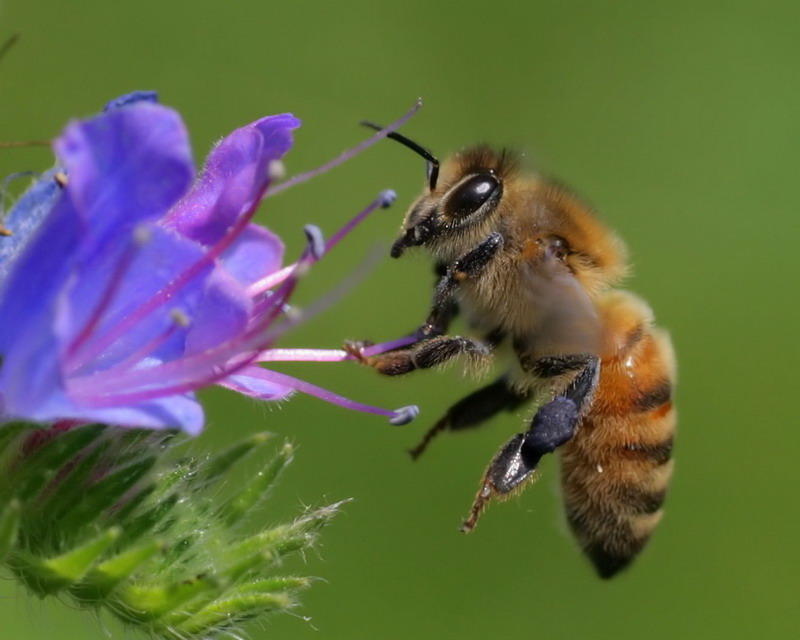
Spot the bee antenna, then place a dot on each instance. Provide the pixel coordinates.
(433, 163)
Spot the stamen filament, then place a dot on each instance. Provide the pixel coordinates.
(323, 394)
(329, 355)
(303, 355)
(384, 200)
(164, 295)
(346, 155)
(146, 350)
(190, 372)
(107, 297)
(272, 280)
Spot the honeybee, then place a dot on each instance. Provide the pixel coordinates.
(533, 270)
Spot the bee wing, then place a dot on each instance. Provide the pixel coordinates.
(564, 319)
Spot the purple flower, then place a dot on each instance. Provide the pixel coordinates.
(131, 285)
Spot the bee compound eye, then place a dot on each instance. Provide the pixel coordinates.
(471, 194)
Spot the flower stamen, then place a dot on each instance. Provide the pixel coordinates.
(162, 296)
(330, 355)
(400, 416)
(384, 200)
(346, 155)
(103, 304)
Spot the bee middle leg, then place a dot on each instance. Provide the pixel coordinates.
(470, 265)
(553, 425)
(474, 410)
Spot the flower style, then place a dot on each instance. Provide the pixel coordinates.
(126, 285)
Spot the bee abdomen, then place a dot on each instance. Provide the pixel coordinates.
(616, 470)
(611, 520)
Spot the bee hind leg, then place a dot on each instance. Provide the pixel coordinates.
(553, 425)
(474, 410)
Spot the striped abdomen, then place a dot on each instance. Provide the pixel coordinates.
(616, 469)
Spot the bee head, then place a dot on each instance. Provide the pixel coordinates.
(457, 206)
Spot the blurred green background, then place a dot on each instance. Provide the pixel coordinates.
(680, 121)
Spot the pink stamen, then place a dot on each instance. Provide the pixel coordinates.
(318, 392)
(346, 155)
(382, 347)
(146, 350)
(107, 297)
(172, 378)
(268, 309)
(272, 280)
(190, 372)
(303, 355)
(298, 317)
(164, 295)
(385, 199)
(329, 355)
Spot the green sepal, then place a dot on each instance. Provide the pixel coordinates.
(225, 612)
(9, 526)
(148, 602)
(223, 462)
(266, 547)
(261, 585)
(51, 575)
(147, 521)
(256, 490)
(157, 547)
(98, 583)
(105, 493)
(278, 583)
(10, 432)
(41, 464)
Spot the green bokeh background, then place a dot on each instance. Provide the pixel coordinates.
(680, 121)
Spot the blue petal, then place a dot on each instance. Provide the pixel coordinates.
(222, 314)
(128, 99)
(248, 382)
(255, 254)
(173, 412)
(152, 264)
(26, 215)
(125, 167)
(233, 180)
(28, 343)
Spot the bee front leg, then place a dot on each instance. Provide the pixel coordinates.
(553, 425)
(433, 347)
(424, 355)
(470, 265)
